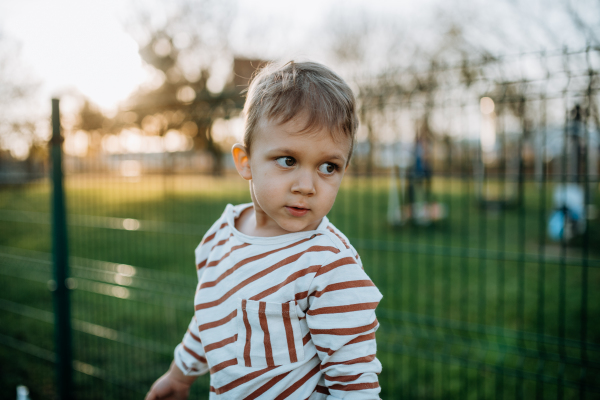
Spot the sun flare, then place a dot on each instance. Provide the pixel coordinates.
(83, 47)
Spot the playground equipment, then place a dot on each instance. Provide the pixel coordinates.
(569, 217)
(415, 202)
(575, 154)
(22, 393)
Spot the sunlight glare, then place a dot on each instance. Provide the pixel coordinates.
(82, 46)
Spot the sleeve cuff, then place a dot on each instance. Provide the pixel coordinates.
(193, 369)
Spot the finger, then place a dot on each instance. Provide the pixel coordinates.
(151, 395)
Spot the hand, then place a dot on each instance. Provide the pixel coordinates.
(173, 385)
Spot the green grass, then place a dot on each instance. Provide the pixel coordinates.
(480, 305)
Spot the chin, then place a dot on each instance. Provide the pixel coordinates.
(292, 229)
(299, 227)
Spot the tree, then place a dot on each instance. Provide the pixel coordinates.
(19, 124)
(182, 51)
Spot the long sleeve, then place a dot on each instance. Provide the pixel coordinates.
(342, 323)
(189, 354)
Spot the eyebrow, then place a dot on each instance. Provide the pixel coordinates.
(336, 157)
(292, 152)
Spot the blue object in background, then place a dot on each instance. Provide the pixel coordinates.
(568, 217)
(556, 225)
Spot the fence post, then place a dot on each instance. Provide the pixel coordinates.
(62, 311)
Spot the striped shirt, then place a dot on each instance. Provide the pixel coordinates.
(284, 317)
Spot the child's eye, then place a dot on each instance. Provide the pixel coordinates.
(286, 161)
(328, 168)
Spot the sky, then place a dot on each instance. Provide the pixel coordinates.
(84, 44)
(75, 44)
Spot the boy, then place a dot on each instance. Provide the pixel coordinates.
(283, 308)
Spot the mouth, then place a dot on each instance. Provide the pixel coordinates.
(297, 211)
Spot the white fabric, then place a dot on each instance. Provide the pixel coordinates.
(290, 316)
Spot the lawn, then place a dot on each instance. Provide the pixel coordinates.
(480, 305)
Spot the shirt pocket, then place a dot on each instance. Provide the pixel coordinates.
(269, 334)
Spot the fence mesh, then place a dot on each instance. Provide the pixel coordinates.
(471, 200)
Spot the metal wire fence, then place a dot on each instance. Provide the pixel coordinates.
(479, 227)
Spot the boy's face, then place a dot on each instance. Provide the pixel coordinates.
(294, 176)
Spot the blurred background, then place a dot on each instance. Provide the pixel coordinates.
(472, 197)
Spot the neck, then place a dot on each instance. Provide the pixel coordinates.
(257, 223)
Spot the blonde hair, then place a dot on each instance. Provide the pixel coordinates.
(281, 92)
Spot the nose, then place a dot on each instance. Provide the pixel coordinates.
(304, 183)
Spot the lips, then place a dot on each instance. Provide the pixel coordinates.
(297, 211)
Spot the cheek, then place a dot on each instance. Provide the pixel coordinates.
(329, 192)
(268, 187)
(267, 192)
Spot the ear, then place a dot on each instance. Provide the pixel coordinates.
(242, 161)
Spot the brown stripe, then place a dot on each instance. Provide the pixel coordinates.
(272, 382)
(266, 337)
(234, 248)
(301, 295)
(196, 338)
(261, 274)
(362, 338)
(306, 339)
(194, 354)
(339, 237)
(359, 360)
(220, 322)
(242, 380)
(345, 331)
(247, 361)
(343, 285)
(223, 365)
(246, 261)
(248, 335)
(343, 378)
(202, 264)
(221, 343)
(287, 281)
(211, 237)
(289, 333)
(356, 386)
(322, 389)
(221, 242)
(291, 389)
(337, 263)
(343, 309)
(325, 350)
